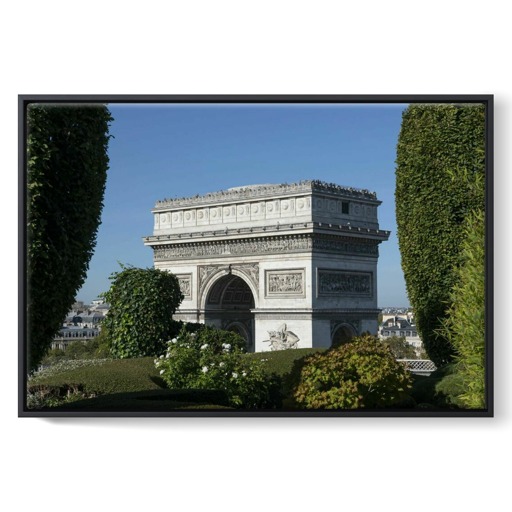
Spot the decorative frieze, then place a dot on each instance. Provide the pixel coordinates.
(338, 282)
(290, 282)
(266, 245)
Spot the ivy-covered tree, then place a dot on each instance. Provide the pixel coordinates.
(67, 166)
(439, 181)
(142, 302)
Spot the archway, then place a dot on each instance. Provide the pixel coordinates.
(343, 334)
(228, 305)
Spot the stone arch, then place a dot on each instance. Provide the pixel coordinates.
(228, 302)
(342, 334)
(218, 274)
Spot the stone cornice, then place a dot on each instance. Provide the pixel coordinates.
(262, 191)
(276, 230)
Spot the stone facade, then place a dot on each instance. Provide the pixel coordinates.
(288, 266)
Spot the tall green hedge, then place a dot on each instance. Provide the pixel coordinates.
(439, 180)
(67, 166)
(464, 326)
(142, 302)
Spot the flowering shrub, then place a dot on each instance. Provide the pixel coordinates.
(363, 373)
(214, 359)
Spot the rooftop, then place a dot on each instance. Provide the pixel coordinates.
(264, 190)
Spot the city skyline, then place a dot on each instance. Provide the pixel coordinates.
(182, 150)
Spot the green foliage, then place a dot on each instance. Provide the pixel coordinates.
(286, 364)
(464, 326)
(213, 359)
(439, 180)
(142, 302)
(95, 348)
(67, 166)
(437, 390)
(362, 373)
(400, 348)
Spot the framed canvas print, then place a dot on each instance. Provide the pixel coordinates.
(255, 256)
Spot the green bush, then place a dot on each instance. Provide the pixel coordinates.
(213, 359)
(464, 326)
(362, 373)
(67, 164)
(439, 180)
(142, 302)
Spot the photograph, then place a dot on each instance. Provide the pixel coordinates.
(255, 255)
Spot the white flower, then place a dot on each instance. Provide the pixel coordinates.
(155, 361)
(174, 340)
(204, 346)
(193, 335)
(221, 364)
(162, 356)
(205, 369)
(162, 371)
(235, 375)
(244, 374)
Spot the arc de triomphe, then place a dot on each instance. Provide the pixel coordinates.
(286, 266)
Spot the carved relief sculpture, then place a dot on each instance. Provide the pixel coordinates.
(185, 282)
(338, 282)
(285, 282)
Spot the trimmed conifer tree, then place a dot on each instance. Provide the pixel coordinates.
(67, 164)
(440, 177)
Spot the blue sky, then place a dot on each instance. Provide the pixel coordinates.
(167, 151)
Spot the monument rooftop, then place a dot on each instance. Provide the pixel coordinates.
(261, 191)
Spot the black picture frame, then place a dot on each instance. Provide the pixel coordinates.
(25, 100)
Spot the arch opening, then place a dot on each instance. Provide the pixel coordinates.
(343, 334)
(229, 304)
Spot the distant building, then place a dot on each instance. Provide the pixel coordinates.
(403, 326)
(67, 335)
(82, 323)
